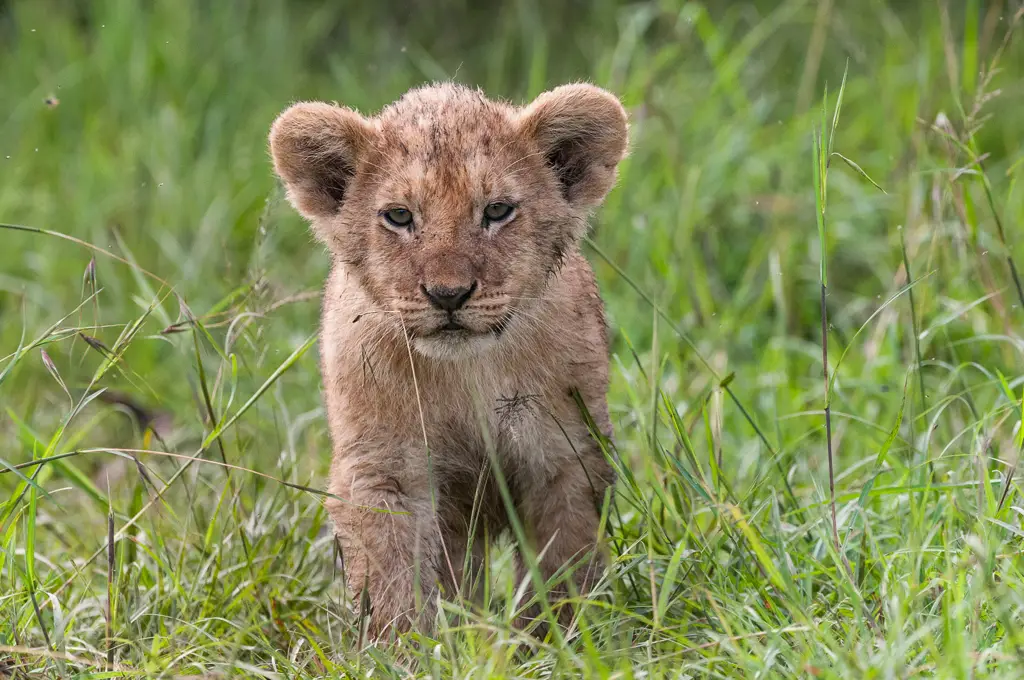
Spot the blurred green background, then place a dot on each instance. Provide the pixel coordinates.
(140, 128)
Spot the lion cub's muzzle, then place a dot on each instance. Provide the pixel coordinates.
(449, 300)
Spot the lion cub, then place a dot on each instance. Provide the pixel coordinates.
(460, 322)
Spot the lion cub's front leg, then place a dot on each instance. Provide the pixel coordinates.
(562, 515)
(389, 540)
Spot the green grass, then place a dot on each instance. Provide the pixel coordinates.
(157, 261)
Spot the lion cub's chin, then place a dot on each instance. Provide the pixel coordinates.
(454, 345)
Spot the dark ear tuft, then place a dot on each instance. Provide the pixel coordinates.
(316, 147)
(582, 131)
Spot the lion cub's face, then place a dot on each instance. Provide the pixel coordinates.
(449, 209)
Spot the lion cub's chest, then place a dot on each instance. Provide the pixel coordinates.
(512, 413)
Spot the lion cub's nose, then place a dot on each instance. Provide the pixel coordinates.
(448, 299)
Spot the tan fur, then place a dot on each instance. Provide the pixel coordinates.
(416, 413)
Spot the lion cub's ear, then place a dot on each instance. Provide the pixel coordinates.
(582, 132)
(316, 147)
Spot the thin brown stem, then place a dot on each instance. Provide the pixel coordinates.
(913, 318)
(828, 418)
(110, 586)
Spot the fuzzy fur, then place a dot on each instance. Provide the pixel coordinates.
(416, 413)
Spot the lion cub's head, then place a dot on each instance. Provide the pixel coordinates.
(448, 208)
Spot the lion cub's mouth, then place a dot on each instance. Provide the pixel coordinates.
(451, 339)
(452, 325)
(450, 328)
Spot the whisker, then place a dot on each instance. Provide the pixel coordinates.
(537, 322)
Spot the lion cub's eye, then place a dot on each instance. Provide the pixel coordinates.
(398, 217)
(497, 212)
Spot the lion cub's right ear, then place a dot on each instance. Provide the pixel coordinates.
(316, 147)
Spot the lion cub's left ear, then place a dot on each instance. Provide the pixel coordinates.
(582, 131)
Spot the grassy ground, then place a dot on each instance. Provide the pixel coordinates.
(157, 312)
